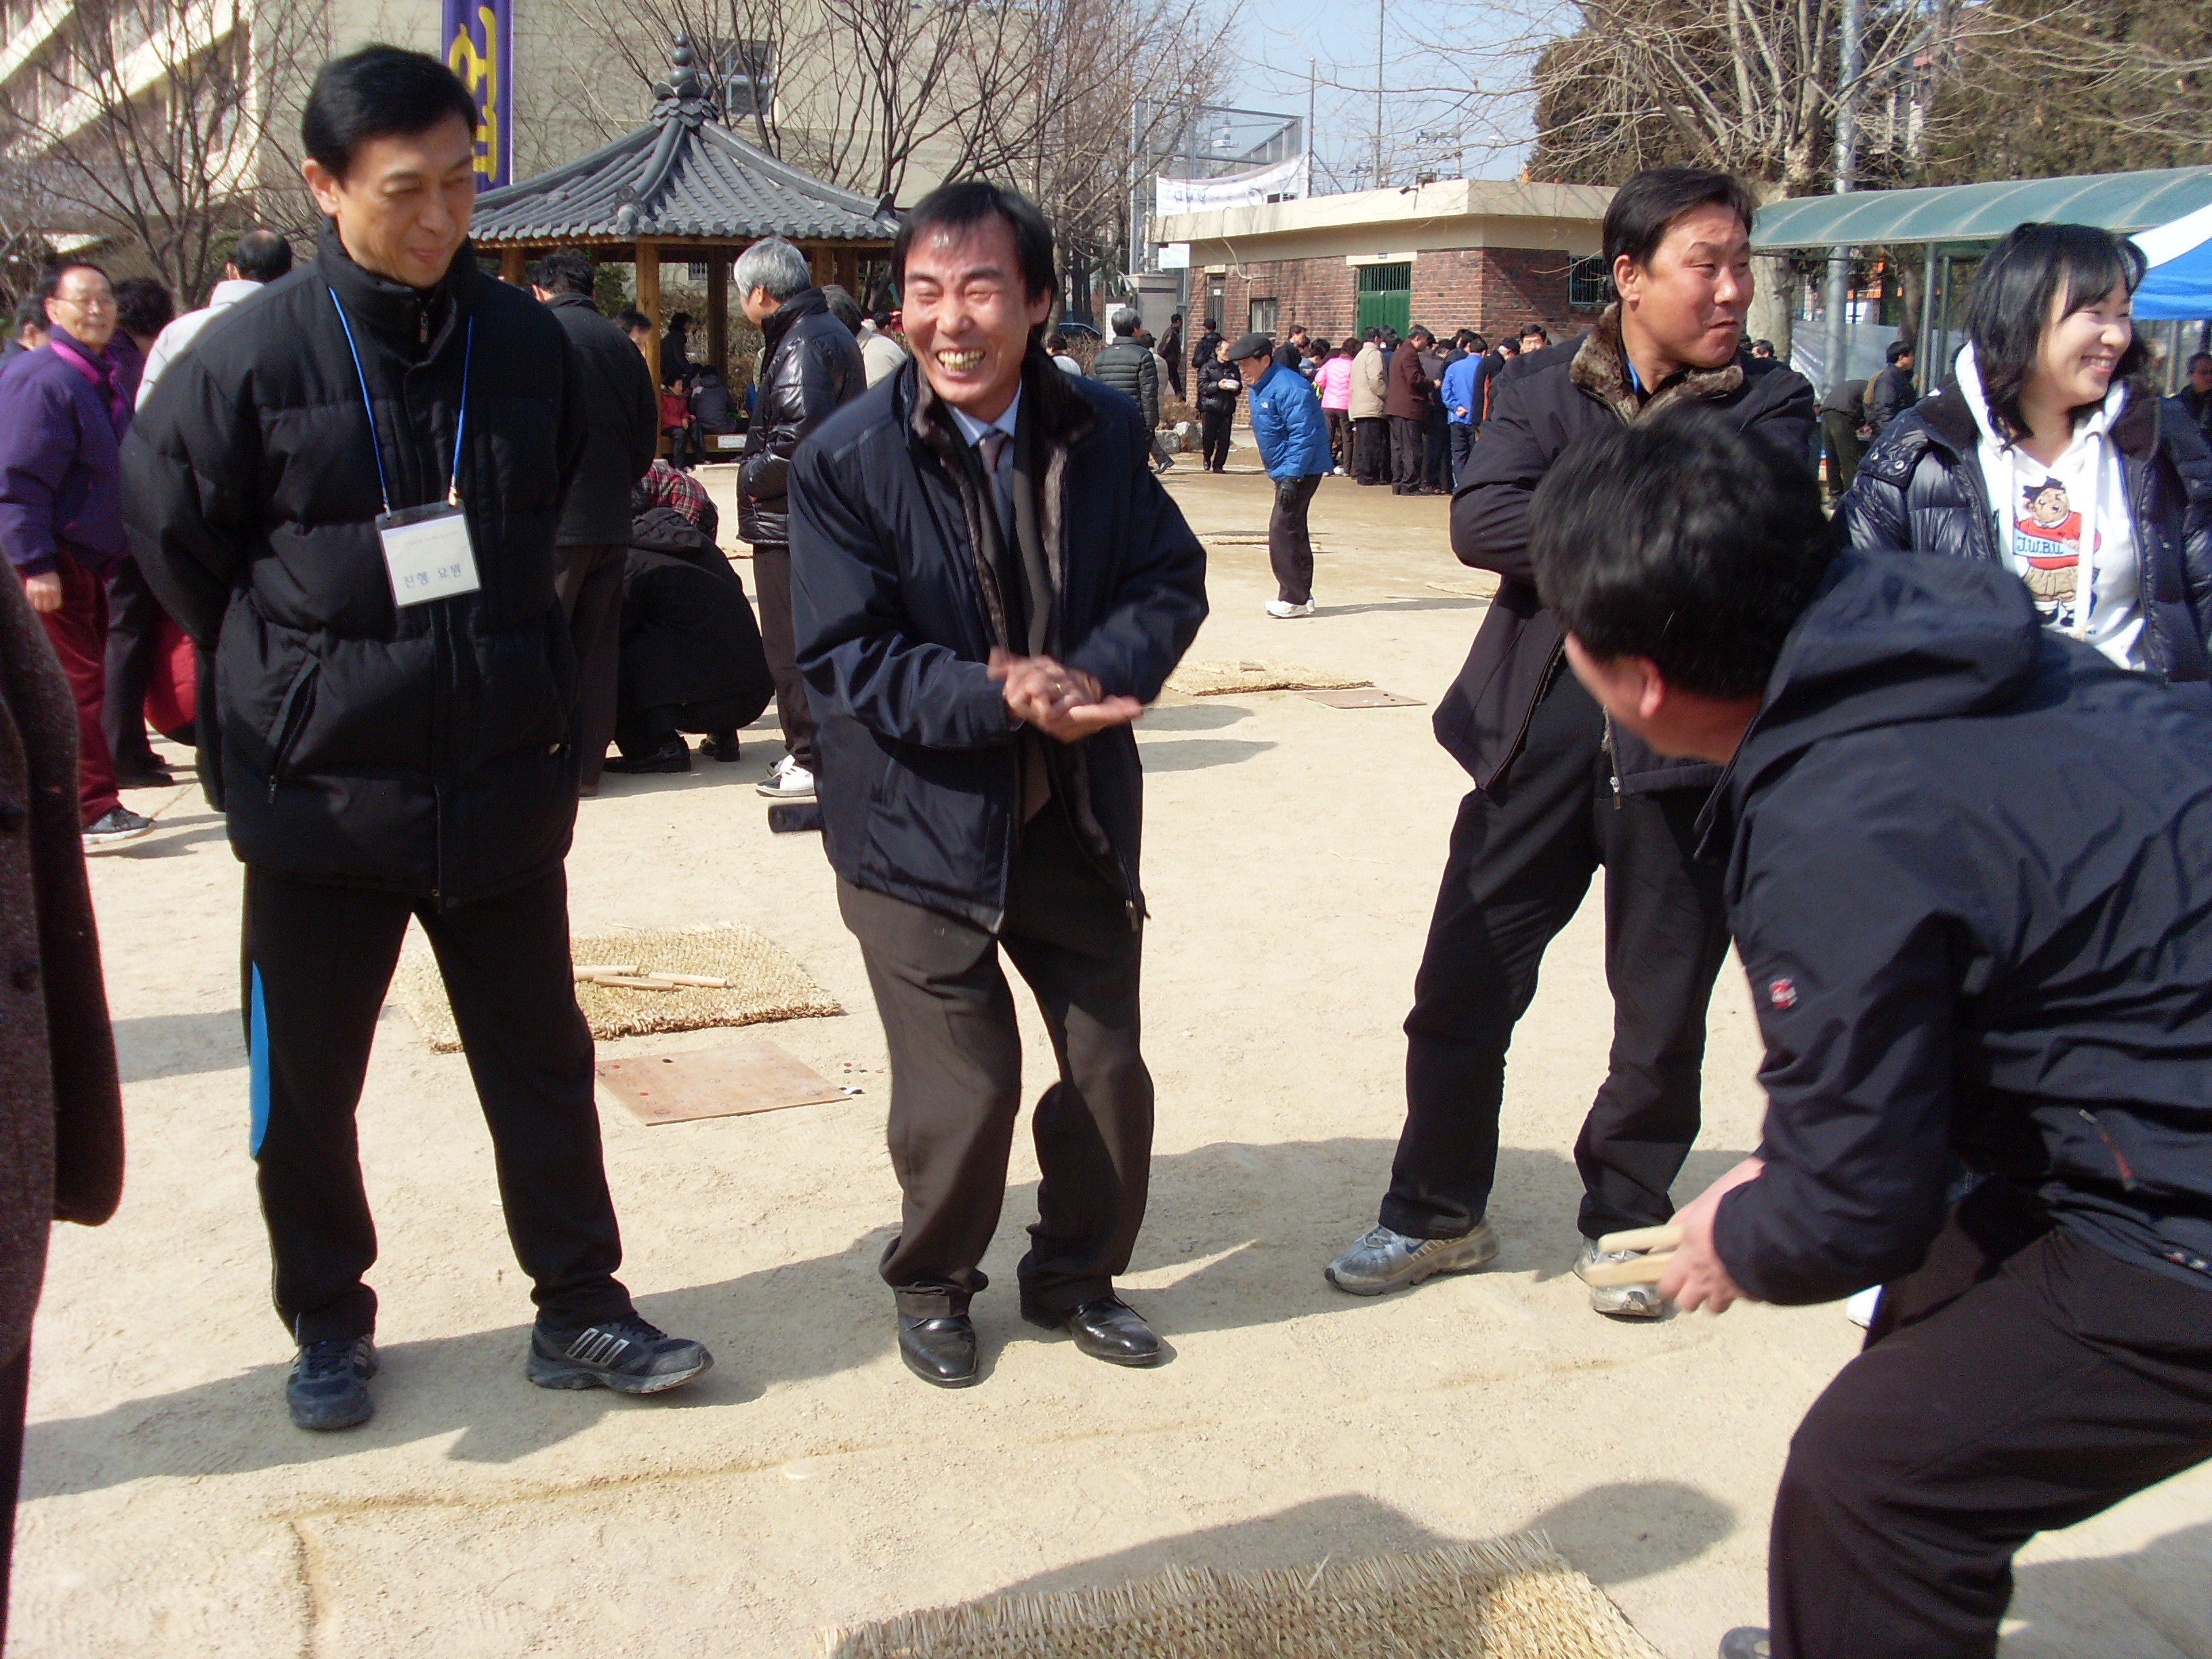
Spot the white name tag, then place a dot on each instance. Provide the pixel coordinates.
(428, 552)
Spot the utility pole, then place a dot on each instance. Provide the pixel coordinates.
(1838, 298)
(1313, 78)
(1380, 5)
(1136, 187)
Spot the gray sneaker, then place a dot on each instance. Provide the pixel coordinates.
(117, 825)
(1382, 1258)
(1621, 1301)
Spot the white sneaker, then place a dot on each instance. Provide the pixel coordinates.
(1283, 609)
(1859, 1309)
(788, 781)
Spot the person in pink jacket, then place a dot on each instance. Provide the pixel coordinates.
(1333, 382)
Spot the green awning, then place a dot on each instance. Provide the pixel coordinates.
(1978, 213)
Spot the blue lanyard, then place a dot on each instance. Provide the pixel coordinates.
(461, 424)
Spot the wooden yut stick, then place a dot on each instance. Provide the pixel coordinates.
(707, 981)
(635, 981)
(1642, 1238)
(1636, 1270)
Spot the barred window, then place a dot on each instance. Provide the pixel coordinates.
(1588, 285)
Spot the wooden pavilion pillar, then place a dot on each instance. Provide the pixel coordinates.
(511, 269)
(649, 301)
(817, 261)
(718, 311)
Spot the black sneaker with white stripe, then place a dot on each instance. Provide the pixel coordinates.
(625, 1354)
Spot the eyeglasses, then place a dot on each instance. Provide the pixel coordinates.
(94, 302)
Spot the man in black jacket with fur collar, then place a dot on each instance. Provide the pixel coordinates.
(348, 491)
(987, 584)
(1559, 794)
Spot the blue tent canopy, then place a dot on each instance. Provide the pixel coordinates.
(2179, 285)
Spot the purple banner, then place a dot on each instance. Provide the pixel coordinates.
(479, 37)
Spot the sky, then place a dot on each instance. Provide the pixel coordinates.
(1450, 72)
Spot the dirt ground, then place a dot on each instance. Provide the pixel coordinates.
(1290, 860)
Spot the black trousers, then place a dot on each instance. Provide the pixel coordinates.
(1521, 857)
(641, 731)
(1407, 436)
(2007, 1387)
(1436, 452)
(956, 1056)
(1462, 445)
(14, 1402)
(133, 614)
(1370, 462)
(1214, 437)
(318, 960)
(1290, 544)
(772, 586)
(1842, 432)
(1340, 443)
(588, 577)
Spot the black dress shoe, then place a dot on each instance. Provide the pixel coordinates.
(939, 1351)
(1105, 1327)
(674, 754)
(142, 777)
(723, 746)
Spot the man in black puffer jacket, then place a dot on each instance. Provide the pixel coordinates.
(1127, 365)
(389, 753)
(809, 365)
(1560, 793)
(622, 426)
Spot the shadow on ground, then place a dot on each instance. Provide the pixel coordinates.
(2063, 1608)
(178, 1045)
(1259, 1220)
(1196, 754)
(1613, 1534)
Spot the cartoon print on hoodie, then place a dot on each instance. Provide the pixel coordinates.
(2046, 547)
(2065, 528)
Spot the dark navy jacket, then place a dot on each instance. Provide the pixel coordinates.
(896, 614)
(1970, 877)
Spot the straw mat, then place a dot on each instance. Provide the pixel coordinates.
(1514, 1598)
(766, 983)
(1221, 679)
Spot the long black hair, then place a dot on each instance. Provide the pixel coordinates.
(2034, 269)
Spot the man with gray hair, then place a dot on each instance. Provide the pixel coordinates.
(809, 365)
(1127, 365)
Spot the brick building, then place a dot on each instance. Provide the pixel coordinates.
(1462, 253)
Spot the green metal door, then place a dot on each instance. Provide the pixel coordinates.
(1386, 297)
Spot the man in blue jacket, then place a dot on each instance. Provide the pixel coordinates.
(1462, 399)
(1967, 875)
(1292, 435)
(988, 586)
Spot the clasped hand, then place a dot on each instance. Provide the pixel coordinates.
(1061, 702)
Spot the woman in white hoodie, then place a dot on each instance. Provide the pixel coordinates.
(2048, 450)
